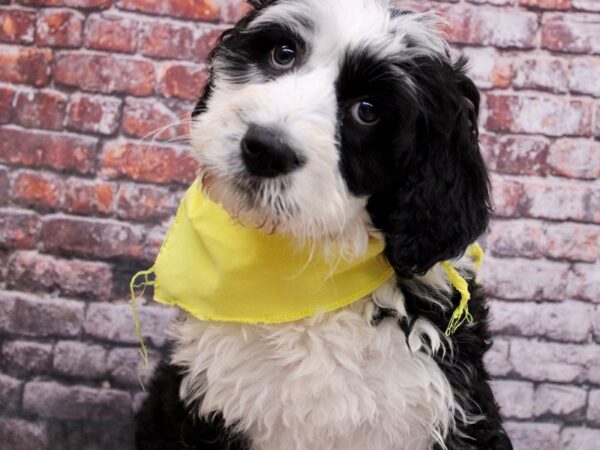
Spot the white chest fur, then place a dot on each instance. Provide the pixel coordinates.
(332, 382)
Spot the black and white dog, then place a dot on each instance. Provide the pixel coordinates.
(336, 120)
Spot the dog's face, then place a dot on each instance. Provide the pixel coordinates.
(323, 118)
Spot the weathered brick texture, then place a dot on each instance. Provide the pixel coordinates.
(94, 98)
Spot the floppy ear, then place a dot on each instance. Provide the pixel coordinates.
(440, 202)
(258, 4)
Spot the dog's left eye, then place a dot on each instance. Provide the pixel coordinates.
(283, 56)
(365, 113)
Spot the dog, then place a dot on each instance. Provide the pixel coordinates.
(339, 121)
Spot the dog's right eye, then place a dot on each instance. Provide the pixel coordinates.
(283, 56)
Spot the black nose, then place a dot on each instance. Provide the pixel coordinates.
(266, 154)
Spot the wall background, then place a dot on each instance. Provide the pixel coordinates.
(85, 201)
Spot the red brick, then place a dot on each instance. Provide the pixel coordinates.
(573, 242)
(32, 271)
(25, 66)
(6, 101)
(584, 282)
(89, 197)
(586, 5)
(165, 40)
(40, 109)
(71, 3)
(487, 68)
(37, 189)
(111, 33)
(147, 163)
(491, 26)
(94, 114)
(40, 149)
(508, 197)
(205, 42)
(517, 155)
(17, 26)
(147, 203)
(546, 4)
(542, 74)
(150, 120)
(18, 229)
(106, 74)
(4, 186)
(183, 81)
(575, 158)
(574, 33)
(234, 10)
(192, 9)
(557, 200)
(95, 238)
(524, 238)
(583, 76)
(553, 116)
(59, 28)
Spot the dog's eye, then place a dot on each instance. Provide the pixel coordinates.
(365, 113)
(283, 56)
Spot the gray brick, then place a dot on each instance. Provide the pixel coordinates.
(138, 400)
(26, 358)
(53, 400)
(580, 439)
(17, 434)
(115, 323)
(515, 398)
(513, 318)
(7, 311)
(565, 402)
(47, 317)
(77, 359)
(89, 435)
(534, 436)
(593, 411)
(126, 366)
(496, 359)
(10, 393)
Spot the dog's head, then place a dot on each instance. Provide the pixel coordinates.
(333, 119)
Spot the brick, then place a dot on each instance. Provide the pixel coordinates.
(584, 282)
(573, 438)
(18, 229)
(586, 5)
(487, 68)
(112, 33)
(52, 400)
(559, 401)
(77, 359)
(151, 120)
(154, 241)
(166, 40)
(234, 10)
(4, 186)
(127, 368)
(517, 319)
(91, 435)
(523, 238)
(40, 109)
(515, 398)
(96, 238)
(94, 114)
(114, 323)
(596, 325)
(6, 101)
(19, 434)
(146, 203)
(552, 116)
(24, 358)
(546, 4)
(204, 42)
(503, 278)
(7, 311)
(575, 242)
(32, 271)
(542, 74)
(573, 33)
(25, 66)
(143, 162)
(496, 358)
(593, 410)
(529, 436)
(10, 393)
(492, 26)
(37, 189)
(89, 197)
(517, 155)
(199, 9)
(17, 26)
(583, 77)
(59, 28)
(182, 80)
(56, 151)
(553, 199)
(597, 120)
(47, 317)
(558, 362)
(575, 158)
(105, 74)
(71, 3)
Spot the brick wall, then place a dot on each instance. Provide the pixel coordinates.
(86, 191)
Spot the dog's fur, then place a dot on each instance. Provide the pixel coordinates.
(380, 374)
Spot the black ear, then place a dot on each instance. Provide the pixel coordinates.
(439, 203)
(258, 4)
